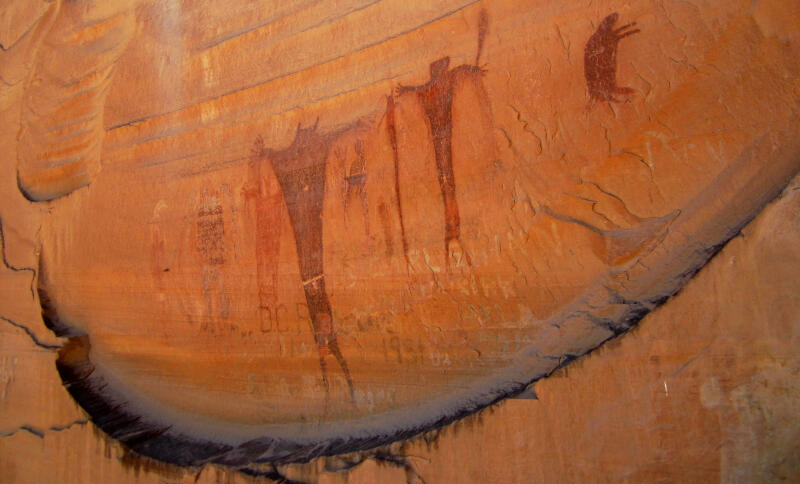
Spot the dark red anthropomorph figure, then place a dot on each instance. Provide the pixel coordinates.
(300, 169)
(436, 98)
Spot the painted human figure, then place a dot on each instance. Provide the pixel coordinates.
(600, 61)
(263, 196)
(300, 170)
(355, 182)
(436, 97)
(210, 247)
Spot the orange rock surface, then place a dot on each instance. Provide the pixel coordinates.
(273, 231)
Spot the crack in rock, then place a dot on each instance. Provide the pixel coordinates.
(31, 335)
(12, 267)
(42, 432)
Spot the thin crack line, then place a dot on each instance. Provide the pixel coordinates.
(31, 334)
(41, 433)
(11, 267)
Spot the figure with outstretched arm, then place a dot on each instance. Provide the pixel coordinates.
(436, 98)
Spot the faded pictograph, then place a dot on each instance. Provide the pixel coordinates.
(391, 127)
(262, 195)
(600, 61)
(355, 180)
(210, 247)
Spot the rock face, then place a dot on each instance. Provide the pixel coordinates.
(328, 250)
(65, 63)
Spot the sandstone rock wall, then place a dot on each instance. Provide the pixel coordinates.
(704, 389)
(240, 236)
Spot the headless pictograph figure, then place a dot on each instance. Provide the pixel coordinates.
(300, 169)
(436, 98)
(391, 127)
(600, 61)
(263, 195)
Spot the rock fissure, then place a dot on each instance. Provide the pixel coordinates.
(41, 433)
(8, 265)
(31, 335)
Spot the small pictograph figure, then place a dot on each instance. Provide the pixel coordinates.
(436, 98)
(300, 169)
(211, 250)
(600, 61)
(356, 180)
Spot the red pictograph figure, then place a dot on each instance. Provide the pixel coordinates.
(262, 196)
(355, 182)
(300, 170)
(392, 129)
(436, 97)
(600, 61)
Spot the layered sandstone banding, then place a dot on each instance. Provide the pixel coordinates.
(75, 46)
(294, 251)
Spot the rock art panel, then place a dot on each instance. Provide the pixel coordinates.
(439, 210)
